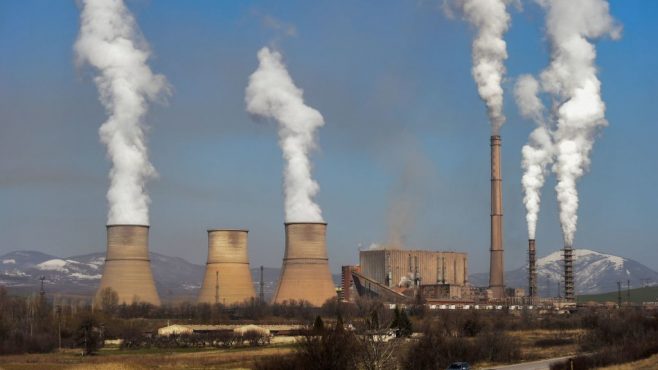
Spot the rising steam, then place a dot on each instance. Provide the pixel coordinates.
(271, 93)
(571, 79)
(537, 154)
(110, 41)
(491, 20)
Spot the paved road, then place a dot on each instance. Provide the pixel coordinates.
(535, 365)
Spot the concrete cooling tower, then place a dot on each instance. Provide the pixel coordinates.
(127, 265)
(305, 273)
(228, 278)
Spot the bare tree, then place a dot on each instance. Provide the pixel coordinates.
(377, 345)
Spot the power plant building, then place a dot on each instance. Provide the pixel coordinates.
(399, 267)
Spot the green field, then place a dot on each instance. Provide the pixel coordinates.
(648, 294)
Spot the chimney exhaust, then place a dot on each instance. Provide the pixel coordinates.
(305, 273)
(496, 271)
(127, 267)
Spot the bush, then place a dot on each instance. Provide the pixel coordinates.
(437, 350)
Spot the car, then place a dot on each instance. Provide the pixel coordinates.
(459, 366)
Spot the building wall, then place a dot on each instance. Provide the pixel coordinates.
(432, 267)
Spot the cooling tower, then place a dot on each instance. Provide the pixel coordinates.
(496, 280)
(228, 278)
(305, 273)
(532, 269)
(568, 273)
(127, 265)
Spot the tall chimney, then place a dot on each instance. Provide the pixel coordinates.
(532, 269)
(496, 279)
(228, 278)
(568, 274)
(127, 265)
(305, 273)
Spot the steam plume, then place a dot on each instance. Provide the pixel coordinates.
(537, 154)
(491, 19)
(571, 79)
(271, 93)
(110, 41)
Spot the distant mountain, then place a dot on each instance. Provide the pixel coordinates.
(175, 278)
(594, 273)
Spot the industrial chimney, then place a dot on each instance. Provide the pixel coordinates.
(305, 273)
(496, 279)
(228, 278)
(127, 265)
(532, 269)
(568, 274)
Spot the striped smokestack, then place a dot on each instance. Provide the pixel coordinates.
(228, 278)
(496, 279)
(305, 273)
(127, 265)
(569, 293)
(532, 269)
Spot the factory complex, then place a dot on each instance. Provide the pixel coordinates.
(392, 274)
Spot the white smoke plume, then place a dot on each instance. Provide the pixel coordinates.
(271, 93)
(537, 154)
(111, 42)
(491, 20)
(571, 78)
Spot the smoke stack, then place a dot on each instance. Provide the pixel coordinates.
(568, 273)
(496, 279)
(127, 265)
(532, 269)
(305, 274)
(228, 278)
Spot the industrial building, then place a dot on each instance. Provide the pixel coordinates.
(177, 329)
(447, 272)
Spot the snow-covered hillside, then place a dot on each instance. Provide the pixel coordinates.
(595, 272)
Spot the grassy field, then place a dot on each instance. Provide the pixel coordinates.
(530, 339)
(108, 359)
(648, 294)
(241, 358)
(650, 363)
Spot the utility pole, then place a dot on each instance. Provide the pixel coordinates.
(619, 293)
(262, 291)
(628, 291)
(59, 326)
(216, 287)
(42, 292)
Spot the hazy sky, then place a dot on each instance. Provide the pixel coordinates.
(405, 146)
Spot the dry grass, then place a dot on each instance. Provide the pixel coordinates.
(113, 359)
(120, 360)
(650, 363)
(530, 351)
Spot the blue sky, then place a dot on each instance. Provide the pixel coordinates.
(403, 121)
